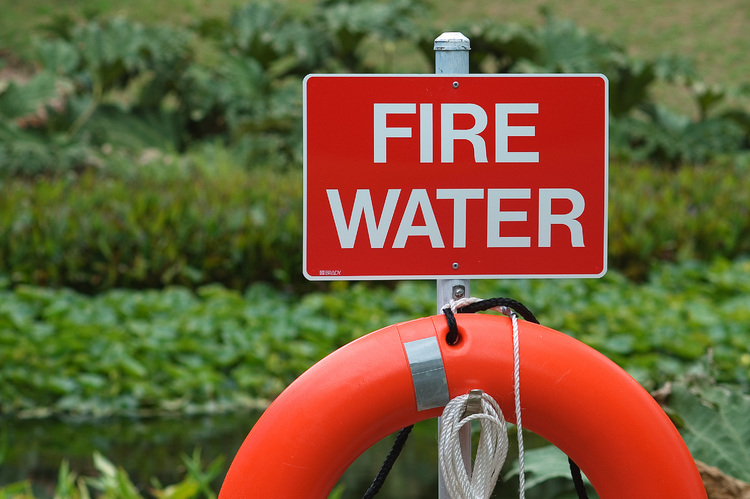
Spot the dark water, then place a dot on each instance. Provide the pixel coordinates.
(145, 448)
(148, 448)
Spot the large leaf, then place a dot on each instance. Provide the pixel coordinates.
(17, 100)
(135, 129)
(544, 464)
(714, 423)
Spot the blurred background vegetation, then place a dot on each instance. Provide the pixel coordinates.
(150, 217)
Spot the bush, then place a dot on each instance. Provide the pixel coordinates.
(203, 220)
(692, 213)
(152, 229)
(114, 83)
(641, 130)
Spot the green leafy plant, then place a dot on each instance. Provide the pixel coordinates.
(107, 84)
(712, 419)
(150, 230)
(113, 482)
(641, 130)
(201, 218)
(165, 351)
(113, 83)
(547, 474)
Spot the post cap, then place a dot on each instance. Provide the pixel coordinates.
(452, 40)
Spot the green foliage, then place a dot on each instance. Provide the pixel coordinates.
(559, 46)
(658, 135)
(547, 474)
(168, 224)
(111, 53)
(18, 490)
(145, 352)
(265, 50)
(713, 422)
(200, 219)
(102, 82)
(116, 83)
(112, 83)
(641, 129)
(20, 100)
(113, 482)
(692, 213)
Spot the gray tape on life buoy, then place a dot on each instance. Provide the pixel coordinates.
(427, 373)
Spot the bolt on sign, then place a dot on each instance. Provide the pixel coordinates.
(470, 176)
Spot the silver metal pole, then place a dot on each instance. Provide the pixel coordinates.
(452, 53)
(452, 57)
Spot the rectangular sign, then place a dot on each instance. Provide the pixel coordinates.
(470, 176)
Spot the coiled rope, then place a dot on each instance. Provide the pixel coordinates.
(502, 305)
(492, 448)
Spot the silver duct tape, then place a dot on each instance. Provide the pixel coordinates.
(427, 373)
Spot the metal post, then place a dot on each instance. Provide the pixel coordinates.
(452, 57)
(452, 53)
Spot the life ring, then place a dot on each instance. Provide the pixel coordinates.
(571, 395)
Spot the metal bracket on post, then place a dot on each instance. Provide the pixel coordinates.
(452, 57)
(451, 289)
(473, 403)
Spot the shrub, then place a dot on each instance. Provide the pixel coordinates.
(93, 233)
(203, 220)
(641, 130)
(115, 83)
(691, 213)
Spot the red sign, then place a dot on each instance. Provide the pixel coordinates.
(476, 176)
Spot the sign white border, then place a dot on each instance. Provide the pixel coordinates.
(456, 275)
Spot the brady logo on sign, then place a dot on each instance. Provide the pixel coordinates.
(426, 176)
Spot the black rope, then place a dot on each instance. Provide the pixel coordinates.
(452, 337)
(575, 472)
(401, 437)
(517, 306)
(478, 306)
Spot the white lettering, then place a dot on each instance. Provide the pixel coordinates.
(495, 216)
(459, 197)
(418, 199)
(503, 130)
(425, 133)
(381, 131)
(547, 219)
(362, 204)
(448, 133)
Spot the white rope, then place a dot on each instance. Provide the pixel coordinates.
(517, 394)
(462, 302)
(491, 450)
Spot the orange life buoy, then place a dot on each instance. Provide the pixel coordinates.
(571, 395)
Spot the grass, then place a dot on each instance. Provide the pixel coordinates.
(20, 21)
(715, 34)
